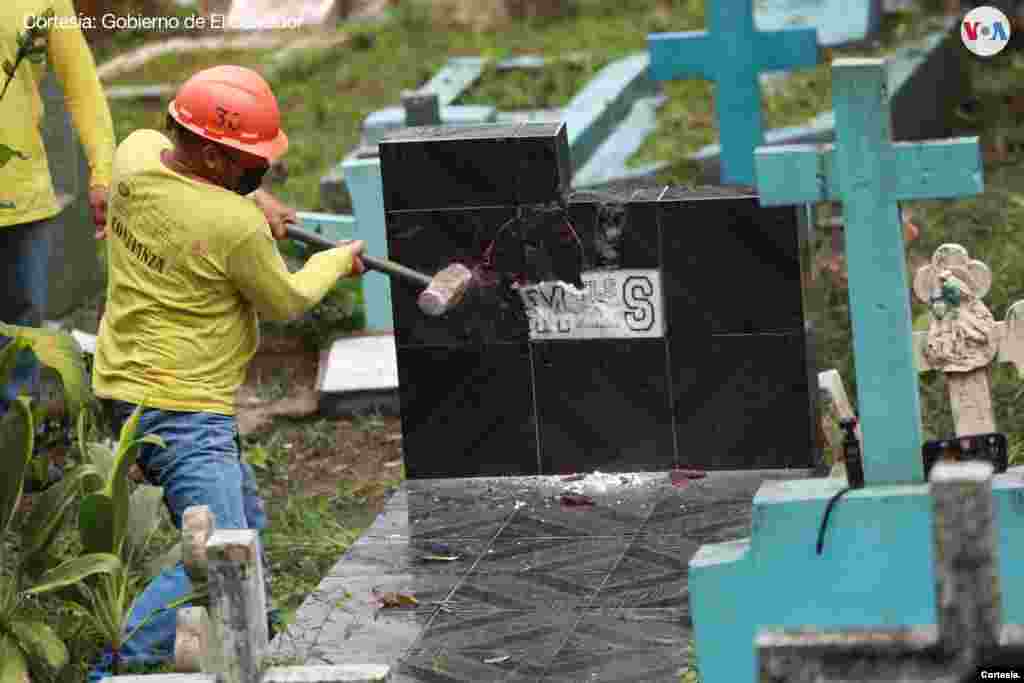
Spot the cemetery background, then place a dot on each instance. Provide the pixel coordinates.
(328, 91)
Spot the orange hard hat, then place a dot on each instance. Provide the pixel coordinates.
(232, 106)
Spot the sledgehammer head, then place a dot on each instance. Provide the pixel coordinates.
(446, 290)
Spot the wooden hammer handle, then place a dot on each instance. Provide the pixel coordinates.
(372, 262)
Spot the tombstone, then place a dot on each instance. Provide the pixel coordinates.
(872, 566)
(963, 339)
(75, 269)
(603, 331)
(733, 53)
(970, 641)
(421, 108)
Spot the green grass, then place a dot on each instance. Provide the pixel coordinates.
(553, 86)
(171, 68)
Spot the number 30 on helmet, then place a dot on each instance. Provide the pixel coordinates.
(232, 106)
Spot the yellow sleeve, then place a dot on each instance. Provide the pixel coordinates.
(258, 270)
(83, 94)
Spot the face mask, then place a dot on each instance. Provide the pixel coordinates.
(251, 180)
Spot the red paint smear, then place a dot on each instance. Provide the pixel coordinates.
(575, 500)
(683, 477)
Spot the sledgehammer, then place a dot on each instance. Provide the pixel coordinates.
(440, 293)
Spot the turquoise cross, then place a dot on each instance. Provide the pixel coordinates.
(869, 174)
(733, 53)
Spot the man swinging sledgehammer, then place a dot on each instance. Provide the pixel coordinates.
(193, 265)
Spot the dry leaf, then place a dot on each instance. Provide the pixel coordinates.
(683, 477)
(395, 599)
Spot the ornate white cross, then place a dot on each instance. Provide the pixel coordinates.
(964, 339)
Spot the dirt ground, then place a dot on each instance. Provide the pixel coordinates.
(278, 406)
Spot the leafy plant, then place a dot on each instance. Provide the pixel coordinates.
(117, 521)
(28, 644)
(56, 350)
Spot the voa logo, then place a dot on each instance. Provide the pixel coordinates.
(985, 31)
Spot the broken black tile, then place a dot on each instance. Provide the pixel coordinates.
(486, 240)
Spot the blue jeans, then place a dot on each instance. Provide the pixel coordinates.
(201, 466)
(24, 281)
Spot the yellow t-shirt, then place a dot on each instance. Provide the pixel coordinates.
(191, 265)
(26, 189)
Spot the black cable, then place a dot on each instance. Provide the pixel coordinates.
(828, 511)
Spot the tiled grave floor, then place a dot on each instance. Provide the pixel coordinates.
(541, 591)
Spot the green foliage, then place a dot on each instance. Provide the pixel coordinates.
(548, 88)
(16, 436)
(30, 644)
(303, 540)
(57, 350)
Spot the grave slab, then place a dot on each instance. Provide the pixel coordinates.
(540, 591)
(359, 375)
(603, 103)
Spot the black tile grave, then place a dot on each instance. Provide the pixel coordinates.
(729, 385)
(531, 589)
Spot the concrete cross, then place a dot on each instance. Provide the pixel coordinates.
(869, 174)
(964, 339)
(733, 53)
(969, 634)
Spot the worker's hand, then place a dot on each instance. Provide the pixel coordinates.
(357, 247)
(278, 215)
(98, 201)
